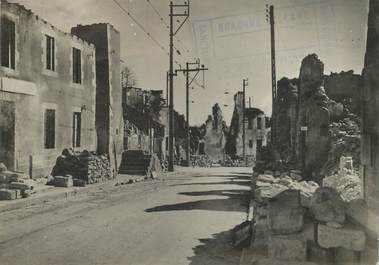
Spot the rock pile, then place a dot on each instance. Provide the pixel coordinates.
(346, 182)
(14, 185)
(345, 141)
(298, 222)
(85, 166)
(201, 161)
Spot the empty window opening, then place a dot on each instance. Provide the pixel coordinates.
(77, 66)
(49, 129)
(8, 43)
(50, 53)
(76, 129)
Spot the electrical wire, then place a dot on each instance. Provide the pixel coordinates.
(167, 27)
(127, 12)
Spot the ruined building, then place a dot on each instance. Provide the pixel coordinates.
(57, 90)
(256, 130)
(142, 125)
(47, 91)
(214, 136)
(286, 118)
(109, 118)
(313, 119)
(316, 118)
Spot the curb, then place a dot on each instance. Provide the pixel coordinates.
(64, 193)
(49, 196)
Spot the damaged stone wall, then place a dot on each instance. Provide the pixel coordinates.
(345, 87)
(215, 138)
(313, 134)
(256, 131)
(314, 130)
(286, 118)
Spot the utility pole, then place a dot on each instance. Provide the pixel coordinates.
(197, 69)
(173, 32)
(271, 19)
(245, 84)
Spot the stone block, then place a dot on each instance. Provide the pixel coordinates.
(64, 182)
(328, 206)
(285, 213)
(287, 247)
(79, 182)
(346, 237)
(19, 186)
(322, 256)
(286, 221)
(260, 233)
(346, 257)
(281, 262)
(357, 211)
(6, 194)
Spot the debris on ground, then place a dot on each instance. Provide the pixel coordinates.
(85, 167)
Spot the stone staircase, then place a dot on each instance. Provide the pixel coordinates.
(134, 162)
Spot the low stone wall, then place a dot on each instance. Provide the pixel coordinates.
(299, 222)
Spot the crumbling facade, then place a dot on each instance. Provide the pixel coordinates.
(143, 129)
(256, 131)
(286, 118)
(313, 134)
(109, 114)
(215, 138)
(47, 91)
(314, 130)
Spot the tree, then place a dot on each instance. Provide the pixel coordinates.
(128, 78)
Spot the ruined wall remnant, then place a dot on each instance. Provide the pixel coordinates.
(286, 118)
(215, 138)
(345, 87)
(256, 131)
(314, 117)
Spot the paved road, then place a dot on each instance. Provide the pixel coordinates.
(185, 218)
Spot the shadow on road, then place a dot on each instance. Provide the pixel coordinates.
(236, 201)
(217, 250)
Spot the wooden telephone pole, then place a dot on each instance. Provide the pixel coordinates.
(270, 18)
(245, 84)
(184, 14)
(197, 69)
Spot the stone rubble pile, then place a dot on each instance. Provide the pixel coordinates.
(345, 141)
(79, 169)
(201, 161)
(14, 185)
(299, 222)
(346, 182)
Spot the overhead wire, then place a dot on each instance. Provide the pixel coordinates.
(167, 27)
(127, 12)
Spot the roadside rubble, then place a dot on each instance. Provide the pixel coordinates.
(79, 169)
(14, 185)
(299, 222)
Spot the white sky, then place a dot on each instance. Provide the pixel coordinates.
(231, 38)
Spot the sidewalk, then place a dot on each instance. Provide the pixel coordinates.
(46, 193)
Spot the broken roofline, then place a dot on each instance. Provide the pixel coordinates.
(16, 7)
